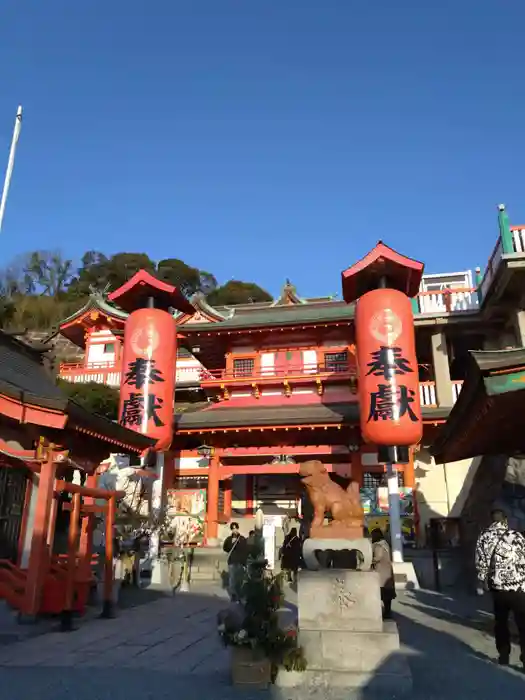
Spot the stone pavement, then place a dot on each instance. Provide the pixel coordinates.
(169, 648)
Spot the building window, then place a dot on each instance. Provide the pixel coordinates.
(336, 361)
(109, 347)
(243, 367)
(374, 480)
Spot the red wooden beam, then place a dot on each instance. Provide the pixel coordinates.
(68, 487)
(261, 469)
(272, 451)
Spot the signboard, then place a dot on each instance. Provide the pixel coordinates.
(375, 507)
(271, 523)
(186, 501)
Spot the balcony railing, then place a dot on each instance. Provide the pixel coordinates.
(109, 373)
(513, 243)
(428, 393)
(446, 301)
(244, 374)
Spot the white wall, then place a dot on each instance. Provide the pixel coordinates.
(442, 488)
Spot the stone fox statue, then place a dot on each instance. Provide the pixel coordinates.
(326, 495)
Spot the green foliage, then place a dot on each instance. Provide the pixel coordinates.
(262, 596)
(237, 292)
(188, 279)
(97, 398)
(41, 289)
(48, 272)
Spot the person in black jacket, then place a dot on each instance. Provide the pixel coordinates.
(237, 548)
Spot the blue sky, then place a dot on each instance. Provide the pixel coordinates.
(264, 139)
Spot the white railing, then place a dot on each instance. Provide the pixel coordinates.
(518, 240)
(428, 393)
(108, 374)
(447, 301)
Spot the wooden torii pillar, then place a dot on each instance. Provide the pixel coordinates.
(39, 556)
(74, 546)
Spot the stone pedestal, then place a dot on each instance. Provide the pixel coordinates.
(323, 544)
(351, 652)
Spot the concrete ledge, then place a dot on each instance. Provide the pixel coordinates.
(405, 576)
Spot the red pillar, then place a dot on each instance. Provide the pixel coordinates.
(67, 612)
(107, 608)
(86, 534)
(410, 477)
(228, 498)
(39, 556)
(249, 494)
(212, 516)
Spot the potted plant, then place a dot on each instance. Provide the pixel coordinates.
(260, 647)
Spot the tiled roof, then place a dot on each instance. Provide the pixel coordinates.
(281, 415)
(291, 315)
(97, 302)
(24, 378)
(484, 420)
(22, 375)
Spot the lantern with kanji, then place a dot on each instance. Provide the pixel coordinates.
(148, 374)
(390, 412)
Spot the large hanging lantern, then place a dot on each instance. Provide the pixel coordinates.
(147, 384)
(388, 373)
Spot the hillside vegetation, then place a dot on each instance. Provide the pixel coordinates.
(40, 289)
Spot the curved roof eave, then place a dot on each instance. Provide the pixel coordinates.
(96, 302)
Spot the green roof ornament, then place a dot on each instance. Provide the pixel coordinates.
(504, 230)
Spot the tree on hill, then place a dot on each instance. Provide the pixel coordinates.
(188, 279)
(94, 397)
(237, 292)
(48, 272)
(40, 289)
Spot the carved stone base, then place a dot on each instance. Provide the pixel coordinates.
(312, 545)
(350, 651)
(348, 530)
(332, 600)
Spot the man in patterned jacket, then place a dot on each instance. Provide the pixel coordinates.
(500, 563)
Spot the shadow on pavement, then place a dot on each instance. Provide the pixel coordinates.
(164, 646)
(469, 611)
(444, 666)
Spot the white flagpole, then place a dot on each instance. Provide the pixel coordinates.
(10, 163)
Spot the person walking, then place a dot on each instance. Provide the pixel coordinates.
(382, 563)
(237, 548)
(291, 555)
(500, 566)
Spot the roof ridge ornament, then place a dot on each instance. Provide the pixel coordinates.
(288, 295)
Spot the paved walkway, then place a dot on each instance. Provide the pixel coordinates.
(169, 648)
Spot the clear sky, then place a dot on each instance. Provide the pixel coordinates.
(264, 139)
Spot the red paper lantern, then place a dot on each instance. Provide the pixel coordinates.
(388, 372)
(147, 385)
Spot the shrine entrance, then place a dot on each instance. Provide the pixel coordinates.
(277, 494)
(13, 485)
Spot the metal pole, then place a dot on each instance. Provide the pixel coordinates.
(10, 163)
(394, 510)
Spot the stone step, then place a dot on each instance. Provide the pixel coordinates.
(391, 680)
(205, 576)
(349, 651)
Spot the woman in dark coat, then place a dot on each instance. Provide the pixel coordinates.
(291, 554)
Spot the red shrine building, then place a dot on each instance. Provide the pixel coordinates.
(261, 387)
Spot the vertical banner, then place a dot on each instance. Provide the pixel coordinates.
(147, 385)
(388, 372)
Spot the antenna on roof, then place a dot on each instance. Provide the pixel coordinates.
(10, 163)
